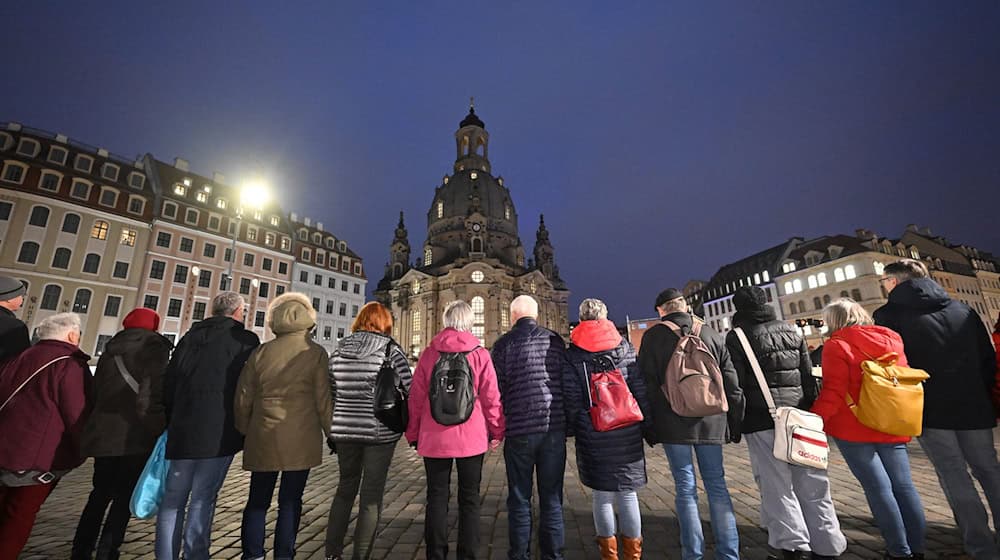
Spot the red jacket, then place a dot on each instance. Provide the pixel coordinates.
(842, 357)
(41, 425)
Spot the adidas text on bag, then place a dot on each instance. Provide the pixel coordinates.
(451, 390)
(693, 381)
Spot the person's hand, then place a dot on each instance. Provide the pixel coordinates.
(649, 435)
(331, 445)
(413, 446)
(494, 444)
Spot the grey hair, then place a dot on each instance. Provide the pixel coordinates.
(591, 309)
(524, 306)
(676, 305)
(845, 312)
(56, 327)
(458, 315)
(225, 304)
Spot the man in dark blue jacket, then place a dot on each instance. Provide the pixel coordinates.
(529, 361)
(947, 339)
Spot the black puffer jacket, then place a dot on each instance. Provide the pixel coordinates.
(354, 367)
(658, 344)
(947, 339)
(610, 461)
(199, 388)
(121, 421)
(784, 359)
(13, 335)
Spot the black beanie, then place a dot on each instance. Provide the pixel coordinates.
(749, 298)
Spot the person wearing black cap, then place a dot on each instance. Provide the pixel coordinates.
(684, 437)
(14, 337)
(795, 500)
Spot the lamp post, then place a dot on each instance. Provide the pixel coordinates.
(255, 195)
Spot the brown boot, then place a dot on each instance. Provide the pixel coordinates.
(631, 548)
(609, 548)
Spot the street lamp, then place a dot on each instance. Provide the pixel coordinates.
(254, 195)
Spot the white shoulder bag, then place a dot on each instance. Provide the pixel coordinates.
(799, 438)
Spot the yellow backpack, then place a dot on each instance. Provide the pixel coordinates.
(892, 397)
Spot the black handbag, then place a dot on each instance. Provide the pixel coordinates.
(390, 395)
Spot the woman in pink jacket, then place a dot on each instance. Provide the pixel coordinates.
(455, 416)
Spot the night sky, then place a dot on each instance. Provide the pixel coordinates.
(661, 140)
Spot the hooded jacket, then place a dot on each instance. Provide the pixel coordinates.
(530, 360)
(283, 401)
(40, 427)
(948, 340)
(658, 344)
(610, 461)
(784, 360)
(14, 337)
(353, 370)
(200, 386)
(842, 357)
(486, 422)
(122, 421)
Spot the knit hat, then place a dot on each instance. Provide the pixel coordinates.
(749, 298)
(10, 288)
(667, 295)
(142, 318)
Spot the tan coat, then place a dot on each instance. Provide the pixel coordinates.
(283, 401)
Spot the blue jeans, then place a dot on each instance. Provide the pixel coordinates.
(523, 455)
(199, 480)
(953, 453)
(883, 469)
(293, 483)
(628, 514)
(720, 506)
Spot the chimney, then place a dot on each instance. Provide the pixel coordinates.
(181, 163)
(293, 217)
(218, 177)
(13, 127)
(319, 226)
(102, 152)
(307, 221)
(61, 138)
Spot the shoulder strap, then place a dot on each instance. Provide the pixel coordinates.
(673, 327)
(129, 380)
(696, 327)
(30, 377)
(755, 366)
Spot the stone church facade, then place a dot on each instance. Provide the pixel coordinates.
(472, 252)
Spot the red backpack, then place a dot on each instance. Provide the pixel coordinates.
(693, 381)
(612, 405)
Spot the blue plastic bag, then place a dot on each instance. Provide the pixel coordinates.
(152, 482)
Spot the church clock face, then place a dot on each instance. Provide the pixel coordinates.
(477, 228)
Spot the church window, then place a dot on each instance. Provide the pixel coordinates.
(473, 175)
(849, 272)
(506, 212)
(428, 257)
(415, 330)
(477, 276)
(479, 319)
(532, 287)
(477, 245)
(505, 316)
(440, 209)
(838, 275)
(416, 286)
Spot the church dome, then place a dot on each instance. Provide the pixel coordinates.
(472, 120)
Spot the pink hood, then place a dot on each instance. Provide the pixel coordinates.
(486, 423)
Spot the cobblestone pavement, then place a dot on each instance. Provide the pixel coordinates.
(401, 531)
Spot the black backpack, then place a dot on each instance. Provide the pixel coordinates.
(390, 395)
(451, 392)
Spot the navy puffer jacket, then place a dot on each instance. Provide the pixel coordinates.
(610, 461)
(530, 360)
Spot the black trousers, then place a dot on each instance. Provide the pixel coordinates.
(470, 472)
(114, 481)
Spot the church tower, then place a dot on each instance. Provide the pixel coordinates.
(473, 252)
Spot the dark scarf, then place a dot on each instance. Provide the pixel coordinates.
(754, 316)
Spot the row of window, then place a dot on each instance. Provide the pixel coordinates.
(31, 148)
(71, 224)
(331, 282)
(193, 215)
(202, 195)
(317, 239)
(794, 308)
(328, 332)
(79, 188)
(52, 294)
(28, 254)
(345, 265)
(762, 277)
(717, 308)
(329, 308)
(817, 280)
(165, 239)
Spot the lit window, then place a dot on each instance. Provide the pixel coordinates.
(473, 175)
(257, 215)
(479, 318)
(275, 221)
(269, 239)
(221, 203)
(440, 209)
(477, 276)
(766, 276)
(506, 212)
(187, 182)
(416, 286)
(128, 237)
(505, 316)
(821, 279)
(202, 196)
(180, 190)
(415, 328)
(756, 278)
(838, 275)
(428, 257)
(797, 284)
(812, 281)
(849, 272)
(879, 268)
(788, 288)
(100, 230)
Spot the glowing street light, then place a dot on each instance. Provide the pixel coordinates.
(253, 194)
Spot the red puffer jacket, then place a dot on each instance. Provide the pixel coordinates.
(41, 425)
(842, 357)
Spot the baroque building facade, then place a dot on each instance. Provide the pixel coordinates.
(473, 252)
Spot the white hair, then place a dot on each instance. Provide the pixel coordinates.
(56, 327)
(225, 304)
(458, 315)
(676, 305)
(524, 306)
(591, 309)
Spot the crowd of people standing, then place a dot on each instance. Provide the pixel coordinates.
(221, 391)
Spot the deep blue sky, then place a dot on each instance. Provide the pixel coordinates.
(660, 139)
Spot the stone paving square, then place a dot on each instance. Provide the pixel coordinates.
(401, 528)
